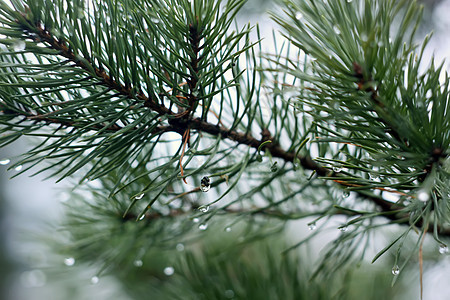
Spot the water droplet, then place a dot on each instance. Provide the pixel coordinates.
(81, 13)
(4, 162)
(228, 229)
(180, 247)
(349, 1)
(336, 29)
(140, 196)
(142, 217)
(203, 209)
(138, 263)
(19, 46)
(195, 220)
(395, 270)
(18, 168)
(205, 184)
(343, 228)
(70, 261)
(95, 279)
(443, 249)
(312, 226)
(337, 169)
(298, 15)
(33, 278)
(274, 167)
(203, 226)
(374, 176)
(345, 194)
(229, 294)
(423, 196)
(169, 271)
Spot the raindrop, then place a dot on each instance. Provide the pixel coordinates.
(443, 249)
(337, 169)
(18, 168)
(180, 247)
(4, 162)
(138, 263)
(142, 217)
(205, 184)
(70, 261)
(229, 294)
(228, 229)
(80, 13)
(140, 196)
(343, 228)
(169, 271)
(395, 270)
(95, 280)
(298, 15)
(204, 209)
(195, 220)
(349, 1)
(203, 226)
(336, 29)
(345, 194)
(33, 278)
(423, 196)
(374, 176)
(364, 37)
(312, 226)
(19, 46)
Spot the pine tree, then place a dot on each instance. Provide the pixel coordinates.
(180, 131)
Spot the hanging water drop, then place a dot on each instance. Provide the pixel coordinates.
(205, 184)
(374, 176)
(5, 161)
(203, 209)
(169, 271)
(203, 226)
(299, 16)
(395, 270)
(70, 261)
(138, 263)
(228, 229)
(343, 228)
(195, 220)
(336, 29)
(180, 247)
(140, 196)
(142, 217)
(18, 168)
(443, 249)
(95, 280)
(312, 226)
(349, 1)
(229, 294)
(423, 196)
(337, 169)
(345, 194)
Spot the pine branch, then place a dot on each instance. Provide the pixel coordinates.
(179, 123)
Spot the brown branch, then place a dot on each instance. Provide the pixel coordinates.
(180, 123)
(43, 35)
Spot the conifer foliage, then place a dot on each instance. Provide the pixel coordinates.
(176, 123)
